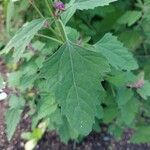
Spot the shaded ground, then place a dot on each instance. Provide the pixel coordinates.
(50, 141)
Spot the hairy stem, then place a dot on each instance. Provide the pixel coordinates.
(51, 38)
(49, 7)
(36, 8)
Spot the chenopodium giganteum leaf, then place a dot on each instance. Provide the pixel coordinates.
(74, 5)
(75, 74)
(23, 37)
(117, 55)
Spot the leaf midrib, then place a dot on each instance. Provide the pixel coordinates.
(73, 75)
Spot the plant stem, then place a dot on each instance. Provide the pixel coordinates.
(36, 8)
(49, 8)
(113, 92)
(61, 28)
(51, 38)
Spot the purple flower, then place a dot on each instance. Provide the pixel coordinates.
(59, 5)
(137, 85)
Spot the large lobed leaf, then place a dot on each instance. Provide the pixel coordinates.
(23, 37)
(74, 74)
(74, 5)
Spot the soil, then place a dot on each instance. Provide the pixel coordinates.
(51, 141)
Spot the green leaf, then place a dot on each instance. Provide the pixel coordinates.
(124, 95)
(142, 135)
(72, 34)
(116, 131)
(16, 102)
(14, 79)
(66, 132)
(12, 118)
(117, 55)
(1, 82)
(130, 17)
(110, 113)
(128, 111)
(13, 114)
(121, 79)
(74, 76)
(23, 37)
(131, 39)
(145, 90)
(10, 14)
(55, 120)
(27, 82)
(46, 107)
(90, 4)
(74, 5)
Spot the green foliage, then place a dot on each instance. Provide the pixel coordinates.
(117, 55)
(74, 5)
(1, 82)
(145, 91)
(142, 135)
(74, 77)
(23, 38)
(71, 69)
(13, 114)
(130, 17)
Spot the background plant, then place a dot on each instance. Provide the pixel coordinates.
(73, 73)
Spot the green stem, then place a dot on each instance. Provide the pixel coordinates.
(51, 38)
(36, 8)
(52, 30)
(49, 8)
(61, 28)
(113, 92)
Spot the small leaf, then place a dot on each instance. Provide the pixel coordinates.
(124, 95)
(12, 118)
(121, 79)
(144, 91)
(14, 78)
(110, 113)
(13, 114)
(131, 39)
(74, 5)
(130, 17)
(23, 37)
(142, 135)
(128, 111)
(1, 82)
(45, 108)
(16, 102)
